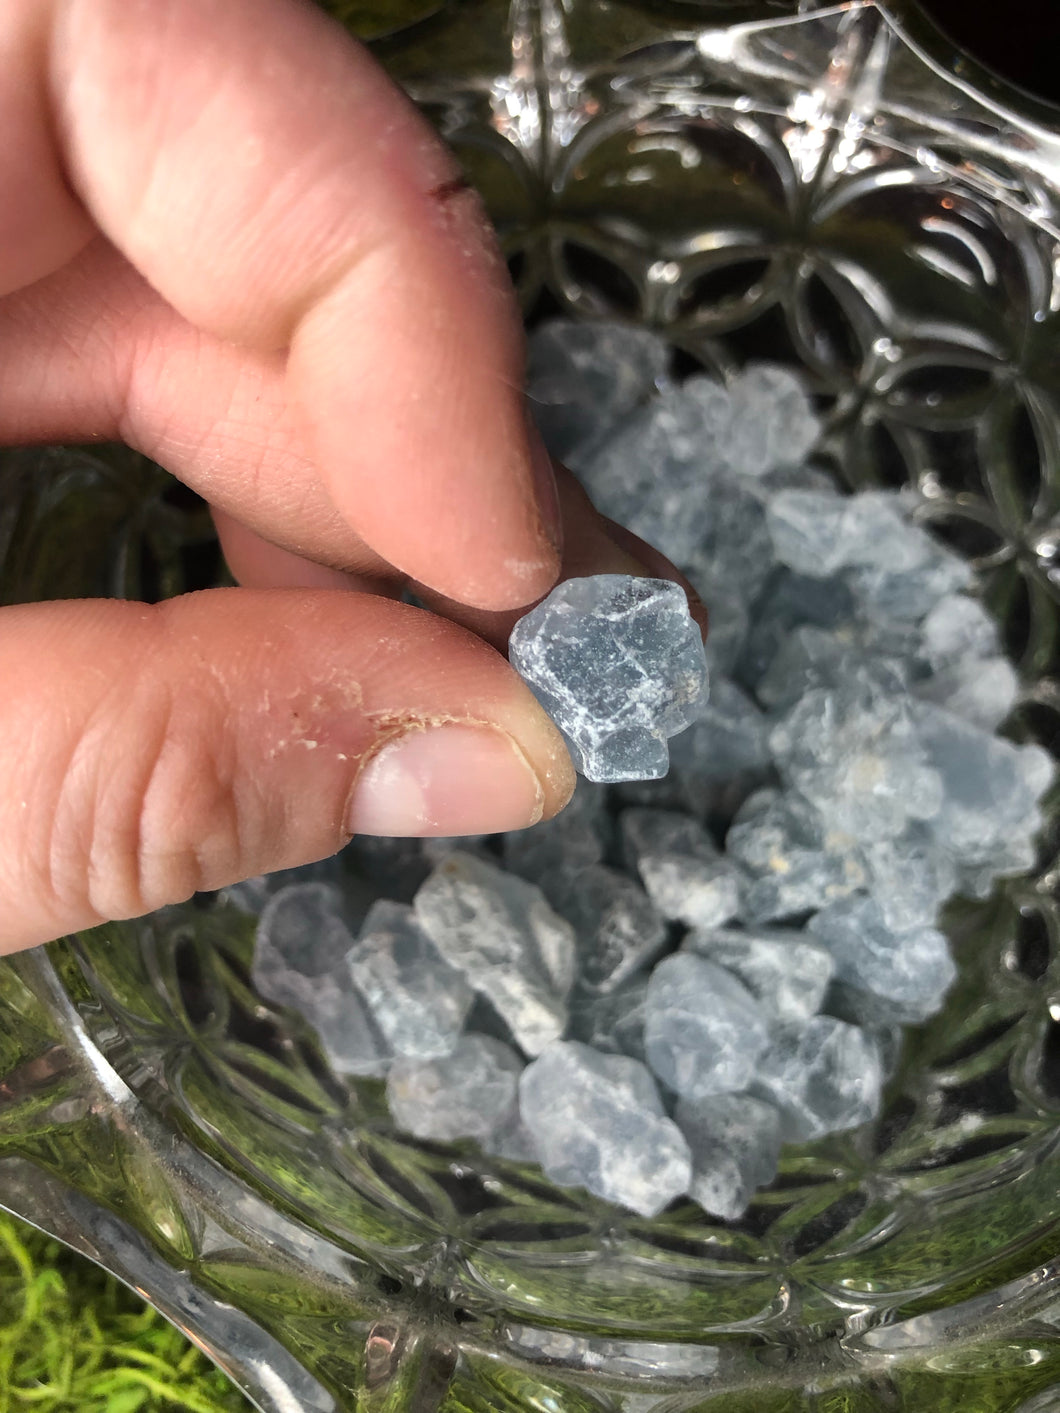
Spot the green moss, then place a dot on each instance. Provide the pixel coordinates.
(75, 1340)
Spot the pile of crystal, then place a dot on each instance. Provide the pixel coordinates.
(648, 995)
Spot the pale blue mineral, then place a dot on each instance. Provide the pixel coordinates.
(618, 929)
(982, 691)
(906, 973)
(787, 972)
(859, 753)
(618, 664)
(510, 946)
(895, 569)
(823, 1077)
(300, 961)
(703, 1030)
(469, 1093)
(717, 762)
(652, 474)
(596, 1121)
(910, 877)
(794, 862)
(773, 422)
(612, 1021)
(680, 867)
(418, 1001)
(583, 378)
(990, 787)
(735, 1141)
(959, 628)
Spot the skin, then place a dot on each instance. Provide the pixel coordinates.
(228, 240)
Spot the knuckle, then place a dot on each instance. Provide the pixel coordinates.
(149, 810)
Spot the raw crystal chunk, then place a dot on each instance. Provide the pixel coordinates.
(470, 1093)
(981, 691)
(612, 1021)
(786, 972)
(732, 549)
(651, 474)
(703, 1030)
(717, 762)
(301, 929)
(734, 1140)
(788, 601)
(813, 657)
(910, 877)
(300, 961)
(417, 1000)
(990, 786)
(597, 1122)
(895, 568)
(583, 378)
(823, 1077)
(730, 619)
(910, 972)
(806, 528)
(795, 862)
(618, 664)
(502, 935)
(959, 628)
(680, 867)
(773, 421)
(617, 927)
(859, 753)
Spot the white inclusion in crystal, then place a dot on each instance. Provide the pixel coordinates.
(502, 935)
(652, 474)
(618, 664)
(858, 753)
(470, 1093)
(418, 1001)
(787, 972)
(991, 787)
(703, 1030)
(618, 929)
(823, 1077)
(679, 864)
(300, 961)
(596, 1121)
(583, 377)
(735, 1141)
(910, 972)
(773, 422)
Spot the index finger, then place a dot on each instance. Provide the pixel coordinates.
(279, 192)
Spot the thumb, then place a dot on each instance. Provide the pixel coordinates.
(149, 751)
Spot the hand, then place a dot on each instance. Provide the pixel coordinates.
(228, 240)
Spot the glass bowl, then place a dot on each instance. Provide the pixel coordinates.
(827, 186)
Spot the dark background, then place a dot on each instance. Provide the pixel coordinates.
(1019, 39)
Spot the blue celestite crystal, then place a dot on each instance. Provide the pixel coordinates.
(618, 664)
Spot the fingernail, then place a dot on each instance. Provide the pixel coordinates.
(545, 489)
(447, 779)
